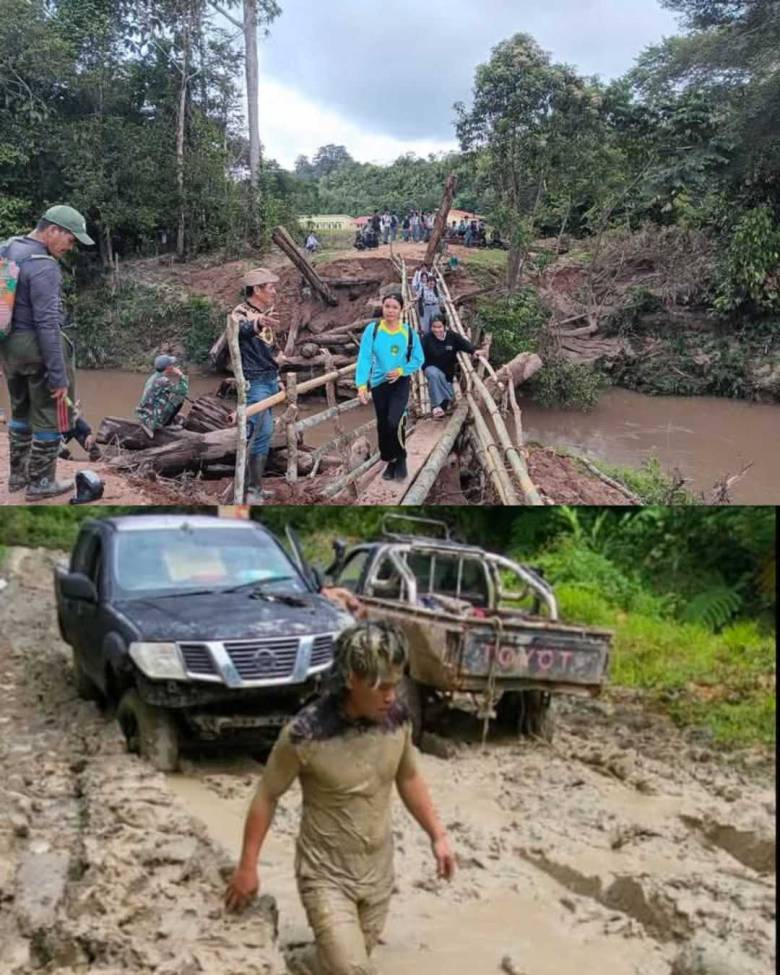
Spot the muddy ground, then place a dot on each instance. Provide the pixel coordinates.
(624, 847)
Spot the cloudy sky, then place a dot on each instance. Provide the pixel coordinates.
(380, 76)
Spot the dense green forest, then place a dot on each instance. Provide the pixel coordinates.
(661, 186)
(689, 592)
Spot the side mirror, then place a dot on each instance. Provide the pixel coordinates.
(75, 585)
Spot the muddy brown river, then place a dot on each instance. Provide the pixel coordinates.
(704, 437)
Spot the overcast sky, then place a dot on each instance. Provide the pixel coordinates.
(381, 76)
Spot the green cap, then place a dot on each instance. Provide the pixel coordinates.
(69, 219)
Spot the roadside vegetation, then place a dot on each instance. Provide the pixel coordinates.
(689, 591)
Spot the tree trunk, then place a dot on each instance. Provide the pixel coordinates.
(440, 224)
(252, 89)
(180, 121)
(284, 241)
(513, 267)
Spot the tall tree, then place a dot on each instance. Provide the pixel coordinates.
(528, 114)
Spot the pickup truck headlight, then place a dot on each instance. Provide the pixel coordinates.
(160, 661)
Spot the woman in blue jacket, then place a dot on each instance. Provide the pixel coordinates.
(390, 352)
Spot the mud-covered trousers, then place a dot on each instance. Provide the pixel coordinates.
(390, 402)
(346, 922)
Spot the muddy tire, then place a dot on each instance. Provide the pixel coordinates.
(412, 693)
(149, 732)
(86, 688)
(526, 713)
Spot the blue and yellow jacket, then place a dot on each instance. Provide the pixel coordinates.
(382, 350)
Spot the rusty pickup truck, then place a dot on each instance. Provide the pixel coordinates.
(477, 623)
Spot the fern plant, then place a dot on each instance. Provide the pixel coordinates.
(713, 607)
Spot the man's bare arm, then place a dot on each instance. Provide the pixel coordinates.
(413, 790)
(245, 882)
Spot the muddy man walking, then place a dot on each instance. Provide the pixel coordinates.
(347, 748)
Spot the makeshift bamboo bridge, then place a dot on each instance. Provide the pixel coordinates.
(478, 418)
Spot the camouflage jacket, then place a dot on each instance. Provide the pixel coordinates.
(161, 399)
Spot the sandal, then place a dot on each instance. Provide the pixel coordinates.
(437, 413)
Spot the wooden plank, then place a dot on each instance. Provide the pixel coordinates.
(418, 448)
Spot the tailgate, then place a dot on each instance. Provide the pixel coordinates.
(549, 655)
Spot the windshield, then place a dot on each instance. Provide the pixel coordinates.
(187, 559)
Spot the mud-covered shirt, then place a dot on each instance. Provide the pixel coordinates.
(257, 350)
(347, 769)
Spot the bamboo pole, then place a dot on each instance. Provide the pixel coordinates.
(344, 440)
(292, 436)
(516, 413)
(324, 415)
(513, 456)
(330, 395)
(423, 483)
(239, 478)
(305, 387)
(337, 486)
(494, 462)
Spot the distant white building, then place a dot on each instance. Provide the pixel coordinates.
(326, 221)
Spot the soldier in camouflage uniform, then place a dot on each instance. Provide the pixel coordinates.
(348, 749)
(163, 395)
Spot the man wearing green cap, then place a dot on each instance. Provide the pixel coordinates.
(36, 356)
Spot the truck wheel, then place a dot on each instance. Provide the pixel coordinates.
(526, 713)
(86, 688)
(149, 732)
(412, 693)
(538, 719)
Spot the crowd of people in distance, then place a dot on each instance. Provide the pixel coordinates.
(416, 227)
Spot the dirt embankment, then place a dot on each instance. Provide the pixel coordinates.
(622, 849)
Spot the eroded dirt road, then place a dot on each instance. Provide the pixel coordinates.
(623, 848)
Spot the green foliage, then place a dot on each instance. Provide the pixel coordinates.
(714, 607)
(127, 326)
(566, 385)
(649, 482)
(514, 321)
(750, 270)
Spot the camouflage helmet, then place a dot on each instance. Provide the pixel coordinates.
(370, 650)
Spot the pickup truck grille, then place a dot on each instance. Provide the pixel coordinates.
(263, 659)
(267, 659)
(197, 659)
(322, 651)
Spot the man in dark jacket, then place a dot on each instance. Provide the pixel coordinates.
(441, 348)
(260, 360)
(36, 357)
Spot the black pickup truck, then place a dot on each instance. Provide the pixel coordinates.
(194, 627)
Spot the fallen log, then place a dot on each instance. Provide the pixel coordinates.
(301, 361)
(284, 242)
(130, 435)
(440, 223)
(189, 451)
(518, 370)
(335, 340)
(207, 413)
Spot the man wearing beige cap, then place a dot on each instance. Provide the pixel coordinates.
(36, 357)
(260, 360)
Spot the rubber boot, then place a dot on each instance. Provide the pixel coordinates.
(19, 444)
(401, 472)
(42, 472)
(255, 493)
(389, 472)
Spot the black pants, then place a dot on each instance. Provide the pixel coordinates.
(390, 402)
